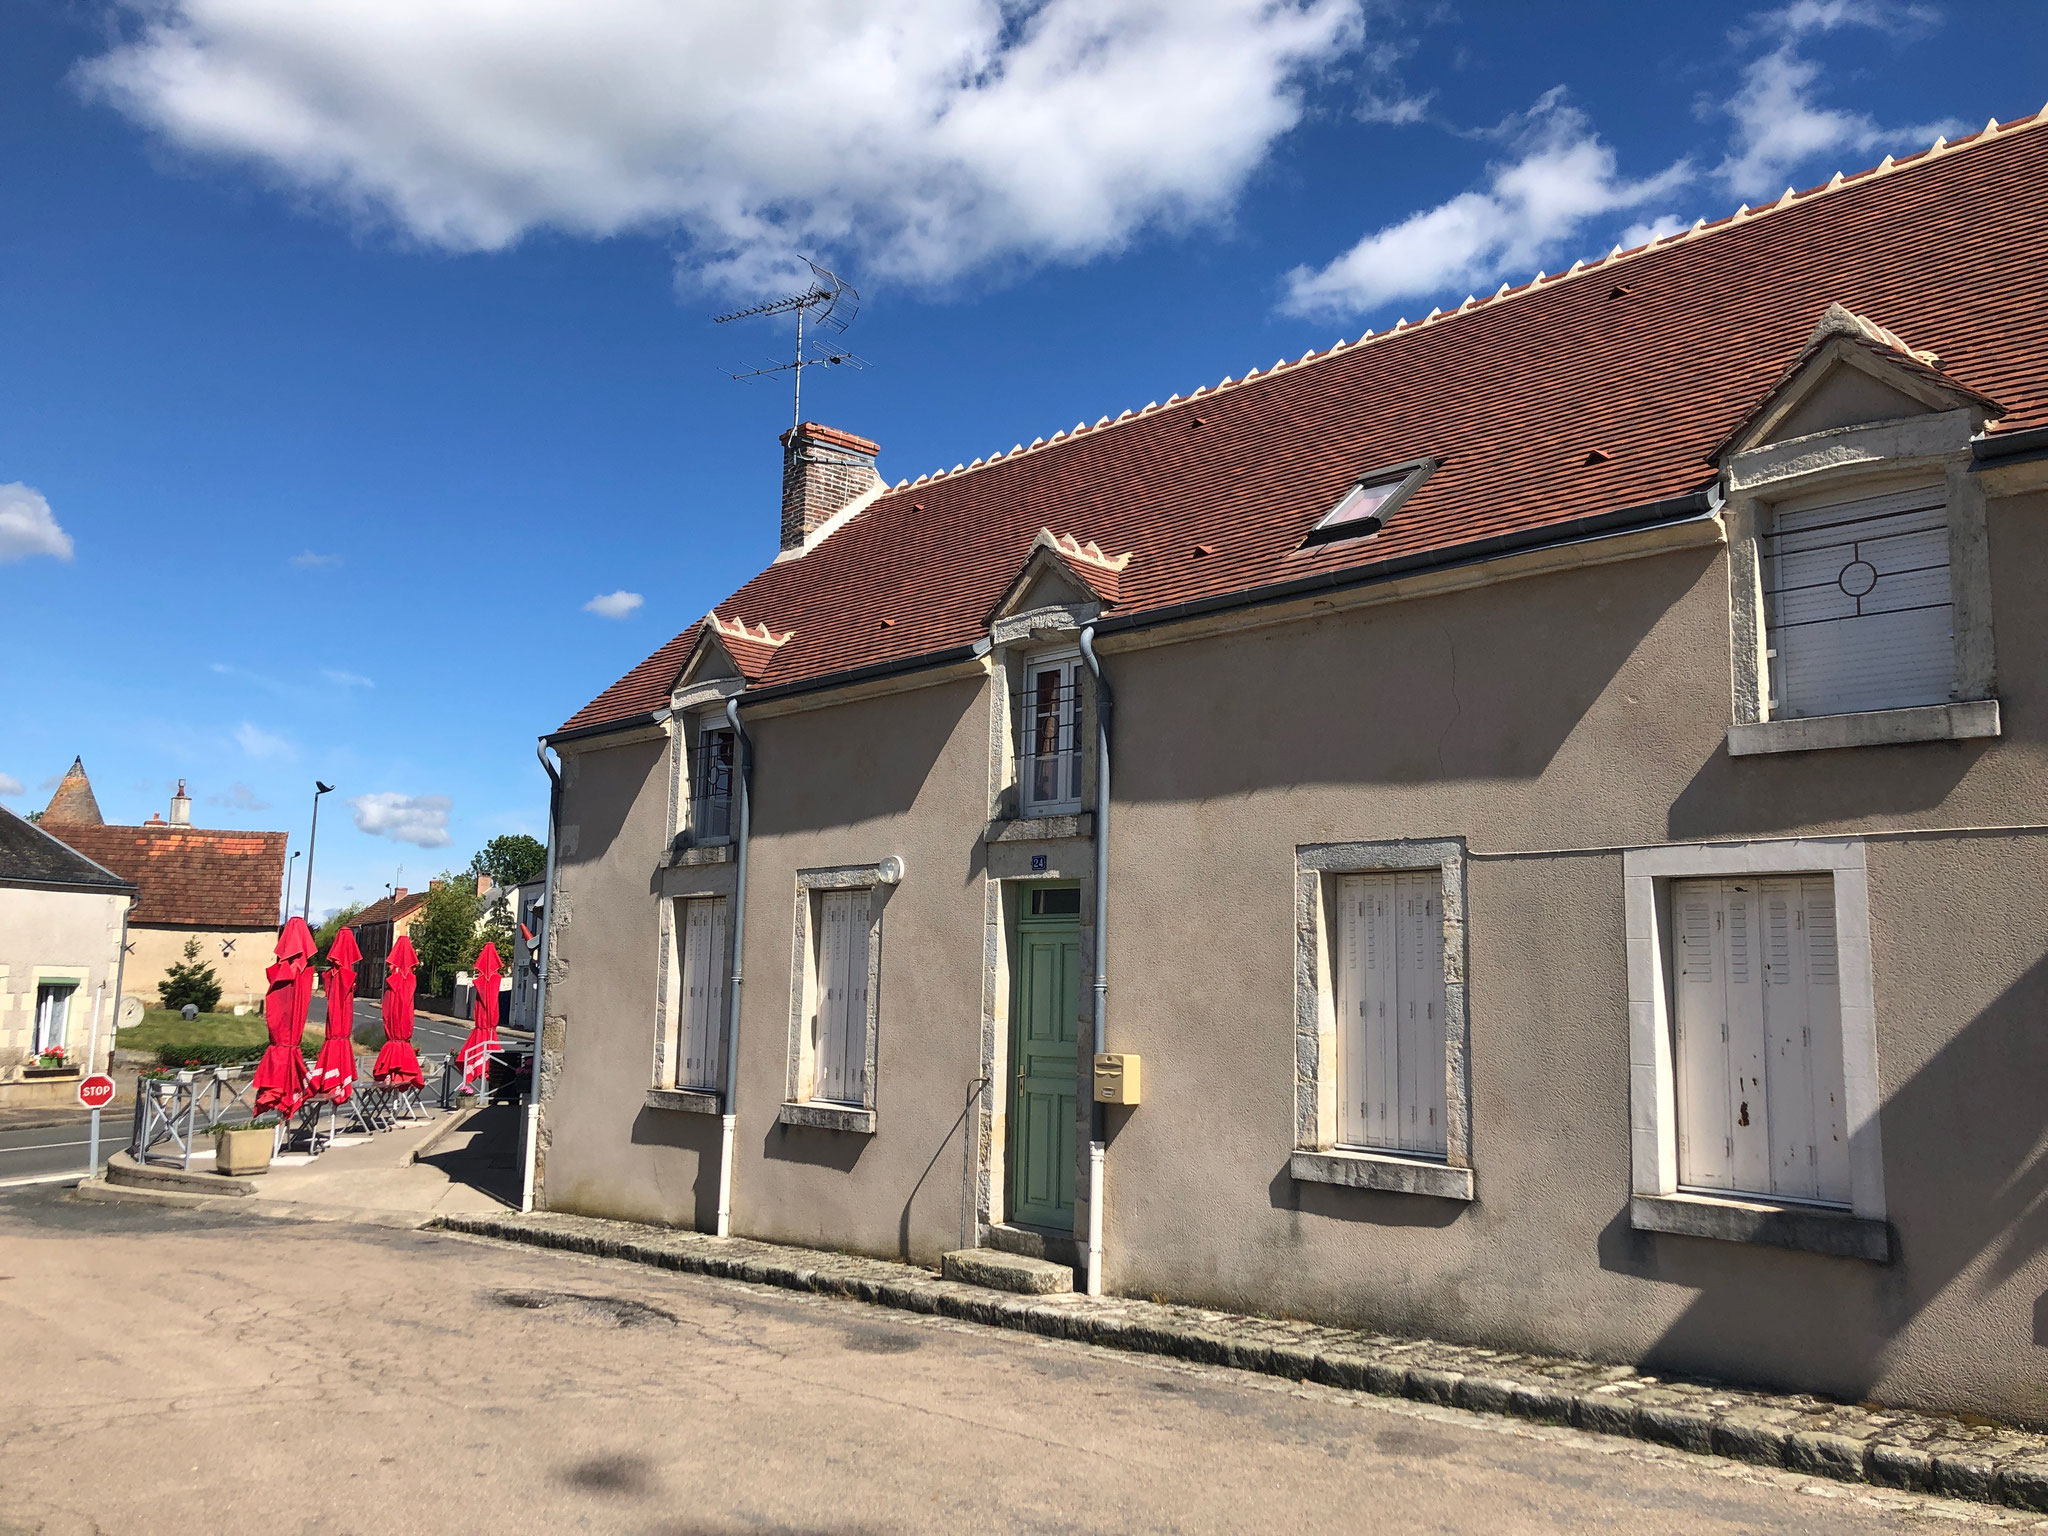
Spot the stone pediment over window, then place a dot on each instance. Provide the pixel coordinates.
(1852, 372)
(730, 648)
(1062, 572)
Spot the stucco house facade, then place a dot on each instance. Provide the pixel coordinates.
(218, 886)
(1528, 828)
(61, 922)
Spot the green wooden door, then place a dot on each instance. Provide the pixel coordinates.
(1045, 1029)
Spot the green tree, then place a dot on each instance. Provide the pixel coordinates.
(444, 934)
(511, 860)
(496, 928)
(190, 981)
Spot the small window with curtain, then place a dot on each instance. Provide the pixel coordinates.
(53, 1014)
(711, 771)
(1049, 736)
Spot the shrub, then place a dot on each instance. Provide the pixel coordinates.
(190, 981)
(175, 1057)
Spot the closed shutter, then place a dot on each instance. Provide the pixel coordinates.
(1390, 1003)
(843, 943)
(704, 941)
(1759, 1048)
(1858, 611)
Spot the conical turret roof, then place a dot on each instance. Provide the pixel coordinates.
(73, 803)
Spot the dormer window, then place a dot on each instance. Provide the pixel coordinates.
(1049, 736)
(711, 768)
(1858, 610)
(1364, 509)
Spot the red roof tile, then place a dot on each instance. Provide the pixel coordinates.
(191, 877)
(1652, 359)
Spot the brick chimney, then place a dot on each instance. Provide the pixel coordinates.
(823, 470)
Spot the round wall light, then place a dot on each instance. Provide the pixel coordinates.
(890, 870)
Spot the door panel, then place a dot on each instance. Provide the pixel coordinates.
(1045, 1031)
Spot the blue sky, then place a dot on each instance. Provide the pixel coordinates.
(350, 348)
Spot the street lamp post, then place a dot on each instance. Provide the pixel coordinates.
(291, 866)
(312, 837)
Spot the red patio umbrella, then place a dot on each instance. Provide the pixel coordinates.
(398, 1065)
(334, 1074)
(281, 1082)
(483, 1035)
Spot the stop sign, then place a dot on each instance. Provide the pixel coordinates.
(96, 1091)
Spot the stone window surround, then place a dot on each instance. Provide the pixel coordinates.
(75, 1028)
(688, 707)
(796, 1109)
(1012, 641)
(1658, 1204)
(1317, 1157)
(677, 885)
(1855, 461)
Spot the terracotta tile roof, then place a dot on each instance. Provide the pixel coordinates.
(380, 910)
(1650, 358)
(31, 856)
(191, 877)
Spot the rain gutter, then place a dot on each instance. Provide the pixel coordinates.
(1097, 1143)
(729, 1116)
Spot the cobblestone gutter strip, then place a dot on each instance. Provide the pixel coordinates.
(1920, 1453)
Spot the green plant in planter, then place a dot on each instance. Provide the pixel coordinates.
(53, 1057)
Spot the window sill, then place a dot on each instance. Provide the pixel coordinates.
(1872, 728)
(1370, 1170)
(689, 1101)
(1039, 829)
(708, 853)
(829, 1117)
(1809, 1229)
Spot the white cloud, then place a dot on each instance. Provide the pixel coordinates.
(1563, 177)
(925, 137)
(342, 679)
(308, 561)
(10, 786)
(614, 605)
(262, 745)
(239, 797)
(27, 526)
(418, 819)
(1779, 126)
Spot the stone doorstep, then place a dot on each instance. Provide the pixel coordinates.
(1914, 1452)
(1013, 1272)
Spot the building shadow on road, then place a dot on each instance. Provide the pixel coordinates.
(484, 1154)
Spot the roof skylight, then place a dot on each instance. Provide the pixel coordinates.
(1364, 509)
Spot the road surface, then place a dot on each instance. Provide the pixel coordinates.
(53, 1149)
(173, 1371)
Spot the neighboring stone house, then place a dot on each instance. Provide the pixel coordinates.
(1575, 828)
(377, 928)
(61, 918)
(222, 888)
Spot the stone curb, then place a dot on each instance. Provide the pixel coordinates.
(122, 1168)
(1914, 1452)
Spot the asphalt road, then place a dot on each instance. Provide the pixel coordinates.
(429, 1036)
(173, 1371)
(60, 1148)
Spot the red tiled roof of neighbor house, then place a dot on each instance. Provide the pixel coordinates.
(1598, 390)
(190, 877)
(382, 910)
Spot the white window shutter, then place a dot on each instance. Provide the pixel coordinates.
(1824, 1017)
(1858, 609)
(1742, 992)
(854, 1031)
(1390, 1011)
(829, 1049)
(1705, 1148)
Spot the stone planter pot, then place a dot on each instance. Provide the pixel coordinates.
(244, 1151)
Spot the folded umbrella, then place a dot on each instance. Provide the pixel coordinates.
(483, 1034)
(281, 1082)
(334, 1074)
(398, 1065)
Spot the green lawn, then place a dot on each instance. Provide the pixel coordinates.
(163, 1026)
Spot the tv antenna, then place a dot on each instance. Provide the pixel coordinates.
(830, 303)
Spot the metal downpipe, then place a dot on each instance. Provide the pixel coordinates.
(1096, 1144)
(729, 1119)
(540, 1001)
